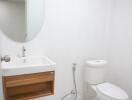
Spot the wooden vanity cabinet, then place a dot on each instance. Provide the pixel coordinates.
(28, 86)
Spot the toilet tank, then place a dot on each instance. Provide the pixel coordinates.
(95, 71)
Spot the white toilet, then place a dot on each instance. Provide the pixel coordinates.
(95, 78)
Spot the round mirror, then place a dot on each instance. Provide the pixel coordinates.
(21, 20)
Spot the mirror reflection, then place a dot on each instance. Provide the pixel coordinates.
(21, 20)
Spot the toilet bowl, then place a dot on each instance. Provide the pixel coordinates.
(108, 91)
(94, 77)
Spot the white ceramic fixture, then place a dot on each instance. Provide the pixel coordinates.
(26, 65)
(95, 71)
(95, 77)
(111, 91)
(96, 63)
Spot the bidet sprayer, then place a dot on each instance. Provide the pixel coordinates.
(74, 66)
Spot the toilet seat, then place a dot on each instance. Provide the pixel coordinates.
(112, 91)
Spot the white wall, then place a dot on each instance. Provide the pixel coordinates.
(120, 45)
(73, 32)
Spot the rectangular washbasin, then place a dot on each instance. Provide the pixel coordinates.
(26, 65)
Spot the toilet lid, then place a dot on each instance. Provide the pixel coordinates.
(112, 91)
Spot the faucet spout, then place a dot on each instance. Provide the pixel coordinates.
(23, 52)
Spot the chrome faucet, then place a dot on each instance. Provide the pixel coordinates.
(23, 52)
(5, 58)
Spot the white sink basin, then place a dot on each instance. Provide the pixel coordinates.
(26, 65)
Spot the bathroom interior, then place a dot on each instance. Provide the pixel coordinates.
(65, 49)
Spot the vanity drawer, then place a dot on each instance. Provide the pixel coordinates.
(28, 86)
(19, 80)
